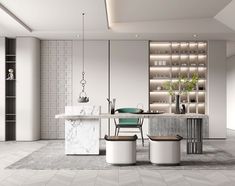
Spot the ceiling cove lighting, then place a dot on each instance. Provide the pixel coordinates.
(109, 15)
(83, 96)
(15, 18)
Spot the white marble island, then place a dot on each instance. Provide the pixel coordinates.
(82, 135)
(192, 122)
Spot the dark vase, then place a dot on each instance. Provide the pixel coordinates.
(177, 104)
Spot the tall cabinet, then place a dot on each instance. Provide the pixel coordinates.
(19, 89)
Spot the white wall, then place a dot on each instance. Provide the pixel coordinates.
(27, 89)
(129, 74)
(2, 89)
(129, 80)
(231, 92)
(217, 89)
(96, 75)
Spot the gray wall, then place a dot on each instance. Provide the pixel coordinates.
(56, 86)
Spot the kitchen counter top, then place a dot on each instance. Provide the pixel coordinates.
(128, 115)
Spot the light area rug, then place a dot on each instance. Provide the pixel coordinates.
(52, 157)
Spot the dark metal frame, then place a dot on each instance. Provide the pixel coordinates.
(194, 136)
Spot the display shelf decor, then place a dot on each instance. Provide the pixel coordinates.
(170, 61)
(182, 86)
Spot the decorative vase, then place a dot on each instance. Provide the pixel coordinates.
(113, 106)
(177, 104)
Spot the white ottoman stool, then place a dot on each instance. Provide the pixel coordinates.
(121, 150)
(165, 150)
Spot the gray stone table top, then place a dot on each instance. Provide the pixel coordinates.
(128, 115)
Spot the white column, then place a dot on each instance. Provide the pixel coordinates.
(2, 88)
(27, 89)
(231, 92)
(217, 89)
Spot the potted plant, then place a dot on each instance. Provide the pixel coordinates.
(183, 85)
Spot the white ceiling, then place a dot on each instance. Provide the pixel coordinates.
(150, 19)
(155, 10)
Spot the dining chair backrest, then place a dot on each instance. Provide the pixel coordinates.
(129, 121)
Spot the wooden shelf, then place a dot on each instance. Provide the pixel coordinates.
(10, 97)
(10, 62)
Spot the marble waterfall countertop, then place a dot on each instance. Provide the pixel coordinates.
(128, 115)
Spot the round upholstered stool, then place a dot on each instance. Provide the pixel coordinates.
(121, 150)
(165, 150)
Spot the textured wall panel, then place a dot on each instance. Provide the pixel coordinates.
(56, 86)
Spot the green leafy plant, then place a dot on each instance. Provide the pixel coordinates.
(182, 86)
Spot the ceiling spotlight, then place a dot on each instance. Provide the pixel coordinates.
(137, 35)
(78, 35)
(195, 36)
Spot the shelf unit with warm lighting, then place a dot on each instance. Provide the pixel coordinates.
(168, 60)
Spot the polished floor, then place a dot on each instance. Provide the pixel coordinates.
(11, 152)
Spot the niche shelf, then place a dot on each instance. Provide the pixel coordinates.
(167, 61)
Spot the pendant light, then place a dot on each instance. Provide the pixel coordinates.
(83, 96)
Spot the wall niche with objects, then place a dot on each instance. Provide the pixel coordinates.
(10, 94)
(167, 61)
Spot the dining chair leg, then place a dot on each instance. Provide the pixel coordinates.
(115, 131)
(141, 131)
(118, 130)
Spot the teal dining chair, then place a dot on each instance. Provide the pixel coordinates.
(129, 122)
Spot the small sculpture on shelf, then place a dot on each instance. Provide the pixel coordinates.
(10, 75)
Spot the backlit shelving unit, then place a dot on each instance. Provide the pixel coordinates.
(168, 60)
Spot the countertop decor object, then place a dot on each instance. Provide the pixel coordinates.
(83, 96)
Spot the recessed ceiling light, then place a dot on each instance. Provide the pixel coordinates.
(137, 35)
(195, 36)
(78, 35)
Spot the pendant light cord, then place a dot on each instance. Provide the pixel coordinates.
(83, 14)
(83, 81)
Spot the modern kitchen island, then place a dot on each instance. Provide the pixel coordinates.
(84, 129)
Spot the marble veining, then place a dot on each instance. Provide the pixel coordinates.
(82, 136)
